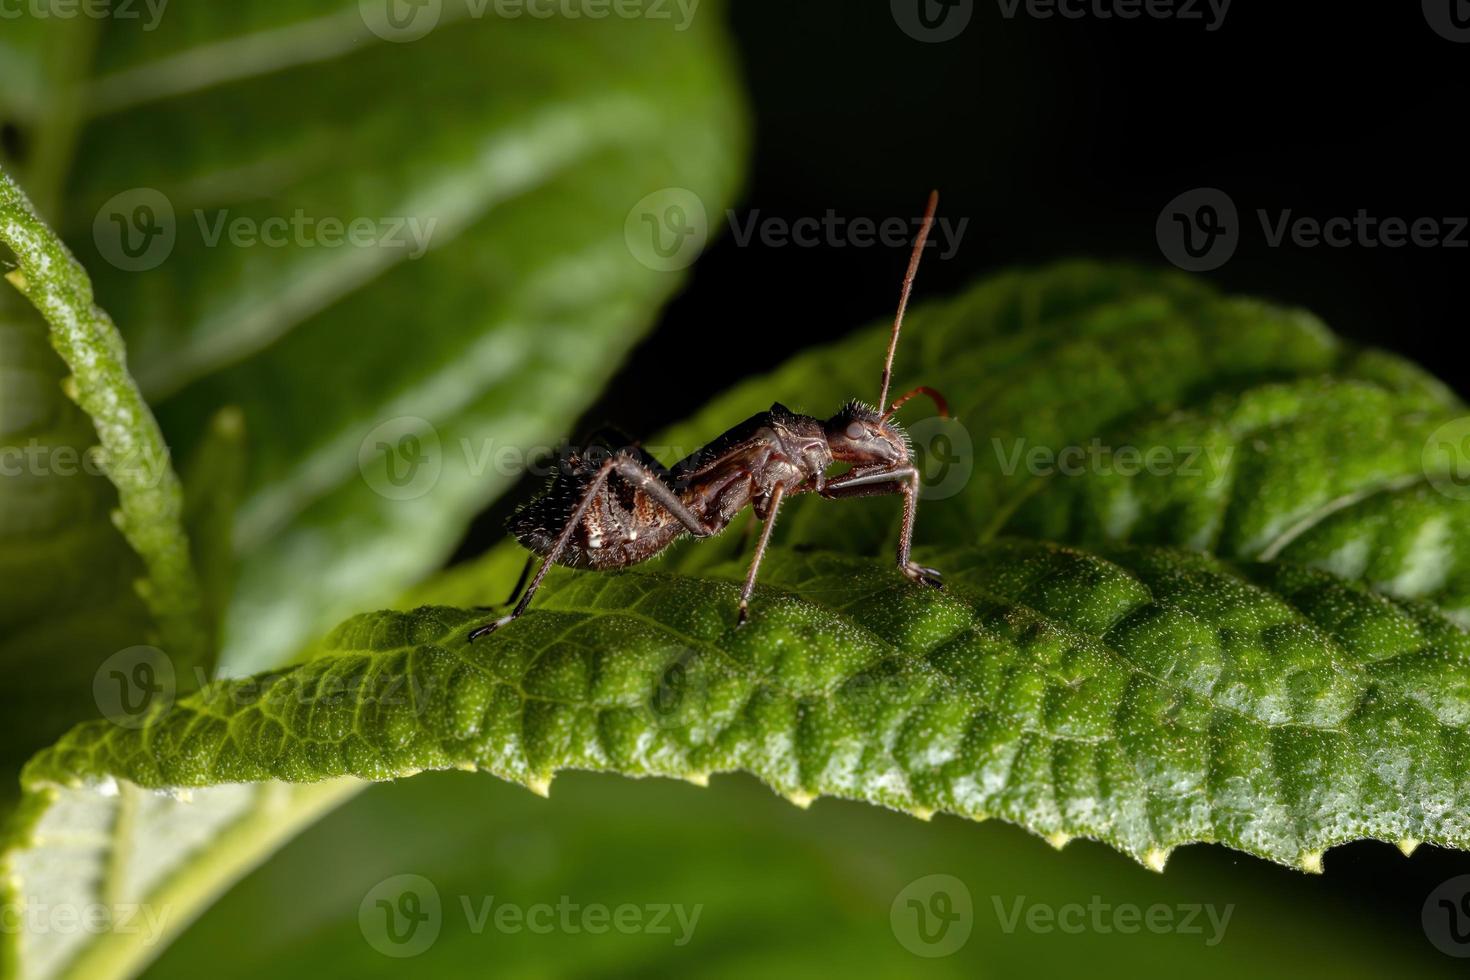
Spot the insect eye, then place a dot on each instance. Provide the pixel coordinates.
(855, 430)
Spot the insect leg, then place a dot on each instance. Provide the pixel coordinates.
(871, 483)
(760, 551)
(649, 482)
(593, 487)
(632, 471)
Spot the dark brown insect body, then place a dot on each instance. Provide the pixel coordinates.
(618, 508)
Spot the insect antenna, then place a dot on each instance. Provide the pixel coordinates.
(940, 404)
(908, 286)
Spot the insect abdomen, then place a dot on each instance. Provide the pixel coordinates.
(622, 526)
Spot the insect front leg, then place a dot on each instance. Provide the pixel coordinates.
(635, 473)
(877, 482)
(771, 506)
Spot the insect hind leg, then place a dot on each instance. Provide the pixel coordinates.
(635, 472)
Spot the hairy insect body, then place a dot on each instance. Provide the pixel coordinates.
(625, 523)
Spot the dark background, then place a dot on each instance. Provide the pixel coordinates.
(1066, 138)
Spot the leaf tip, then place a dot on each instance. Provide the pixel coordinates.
(1310, 862)
(540, 785)
(1155, 858)
(17, 279)
(1409, 845)
(800, 798)
(924, 813)
(1059, 839)
(700, 779)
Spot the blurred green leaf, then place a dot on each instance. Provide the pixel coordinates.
(494, 162)
(58, 550)
(779, 892)
(497, 162)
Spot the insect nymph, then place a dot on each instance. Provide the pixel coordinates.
(625, 508)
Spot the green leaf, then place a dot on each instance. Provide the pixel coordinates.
(526, 142)
(133, 453)
(1278, 440)
(496, 159)
(1147, 698)
(1131, 690)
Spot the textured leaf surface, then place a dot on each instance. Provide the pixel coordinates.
(1272, 439)
(1147, 698)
